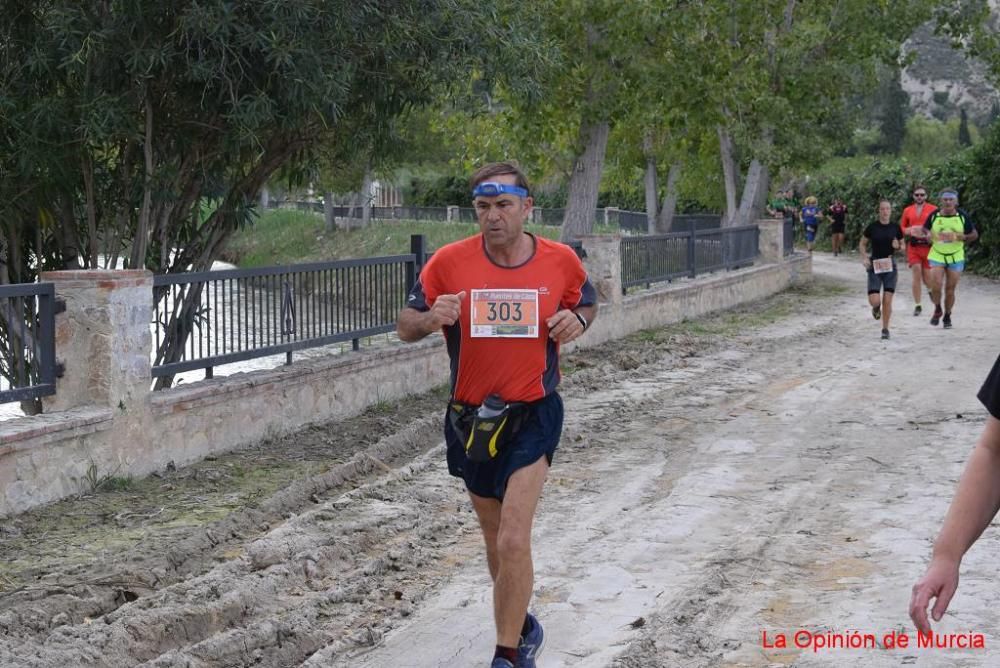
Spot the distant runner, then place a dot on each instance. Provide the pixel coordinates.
(886, 239)
(949, 229)
(918, 246)
(810, 215)
(838, 224)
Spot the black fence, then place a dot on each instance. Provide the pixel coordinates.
(28, 367)
(637, 222)
(651, 259)
(202, 320)
(627, 221)
(788, 230)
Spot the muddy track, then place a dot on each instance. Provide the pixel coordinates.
(207, 589)
(348, 544)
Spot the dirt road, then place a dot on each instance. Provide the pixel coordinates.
(774, 470)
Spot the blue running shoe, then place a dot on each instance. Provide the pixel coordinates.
(531, 644)
(501, 662)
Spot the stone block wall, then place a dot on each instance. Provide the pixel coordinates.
(106, 418)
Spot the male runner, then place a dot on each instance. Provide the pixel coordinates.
(505, 300)
(949, 228)
(918, 246)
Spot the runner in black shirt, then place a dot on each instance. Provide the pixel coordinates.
(972, 510)
(886, 239)
(838, 216)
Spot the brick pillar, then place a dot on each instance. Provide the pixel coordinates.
(772, 239)
(604, 265)
(103, 338)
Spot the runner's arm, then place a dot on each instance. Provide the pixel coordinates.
(975, 505)
(863, 250)
(414, 324)
(970, 233)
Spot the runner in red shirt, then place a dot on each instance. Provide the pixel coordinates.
(505, 301)
(918, 245)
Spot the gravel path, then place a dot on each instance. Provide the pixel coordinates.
(773, 469)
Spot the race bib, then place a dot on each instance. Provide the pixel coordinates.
(505, 313)
(883, 266)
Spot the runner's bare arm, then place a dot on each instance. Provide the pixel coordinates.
(863, 250)
(413, 325)
(975, 505)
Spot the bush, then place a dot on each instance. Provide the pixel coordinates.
(974, 172)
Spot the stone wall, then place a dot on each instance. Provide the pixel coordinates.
(105, 420)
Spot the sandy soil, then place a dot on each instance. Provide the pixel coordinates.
(774, 469)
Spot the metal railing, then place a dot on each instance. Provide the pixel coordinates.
(28, 368)
(218, 317)
(664, 257)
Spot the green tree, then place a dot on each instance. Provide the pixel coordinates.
(121, 119)
(895, 103)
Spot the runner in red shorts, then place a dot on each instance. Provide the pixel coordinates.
(918, 245)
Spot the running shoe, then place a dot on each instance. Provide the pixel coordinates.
(946, 323)
(876, 312)
(885, 333)
(531, 644)
(917, 309)
(936, 318)
(501, 662)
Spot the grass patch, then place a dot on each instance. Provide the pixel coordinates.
(282, 236)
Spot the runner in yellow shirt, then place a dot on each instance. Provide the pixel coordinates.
(950, 228)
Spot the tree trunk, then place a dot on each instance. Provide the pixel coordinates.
(754, 191)
(757, 184)
(650, 183)
(666, 219)
(328, 211)
(88, 188)
(585, 181)
(366, 198)
(729, 174)
(140, 243)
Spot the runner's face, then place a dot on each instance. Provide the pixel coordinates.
(884, 212)
(920, 197)
(948, 205)
(502, 218)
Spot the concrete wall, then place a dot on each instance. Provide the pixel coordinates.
(106, 421)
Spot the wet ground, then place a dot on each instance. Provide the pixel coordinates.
(776, 469)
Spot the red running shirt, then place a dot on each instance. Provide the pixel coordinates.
(911, 219)
(518, 369)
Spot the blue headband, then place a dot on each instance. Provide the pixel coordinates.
(492, 189)
(949, 193)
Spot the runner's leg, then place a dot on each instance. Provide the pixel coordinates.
(886, 308)
(936, 277)
(488, 511)
(951, 283)
(917, 271)
(514, 579)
